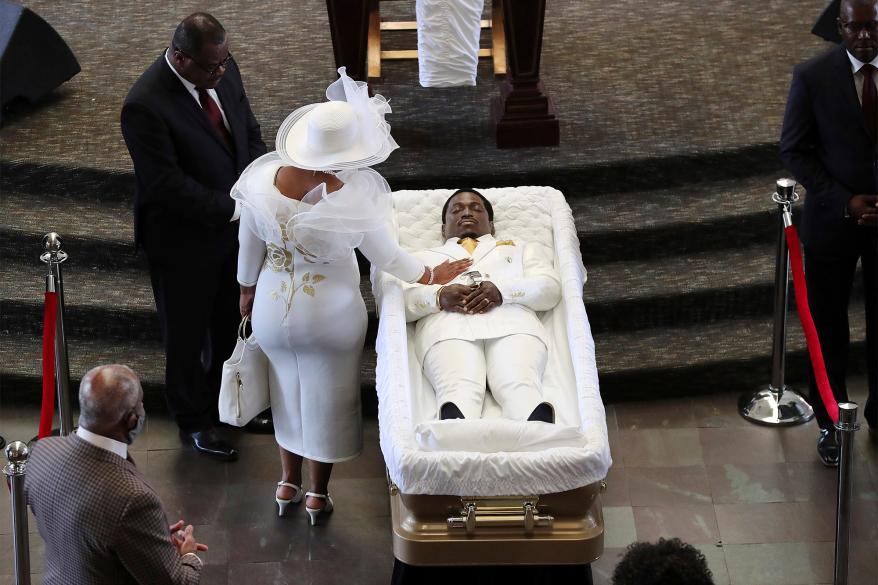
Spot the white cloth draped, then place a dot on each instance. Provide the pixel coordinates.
(448, 41)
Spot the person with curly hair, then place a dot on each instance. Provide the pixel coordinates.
(667, 562)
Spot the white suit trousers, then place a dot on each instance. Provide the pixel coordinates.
(512, 366)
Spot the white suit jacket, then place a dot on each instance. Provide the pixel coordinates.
(522, 272)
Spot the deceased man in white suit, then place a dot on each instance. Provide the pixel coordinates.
(481, 330)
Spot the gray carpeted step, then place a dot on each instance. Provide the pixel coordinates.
(686, 289)
(112, 305)
(615, 226)
(724, 355)
(21, 373)
(727, 355)
(709, 215)
(726, 340)
(620, 296)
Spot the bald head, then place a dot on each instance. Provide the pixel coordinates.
(107, 396)
(200, 50)
(196, 30)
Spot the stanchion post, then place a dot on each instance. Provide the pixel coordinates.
(53, 257)
(847, 425)
(779, 404)
(16, 455)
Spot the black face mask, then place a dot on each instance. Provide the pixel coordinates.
(138, 427)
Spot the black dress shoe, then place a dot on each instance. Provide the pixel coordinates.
(543, 412)
(449, 411)
(827, 447)
(208, 442)
(261, 425)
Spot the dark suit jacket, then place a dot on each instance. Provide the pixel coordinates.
(826, 145)
(184, 169)
(101, 522)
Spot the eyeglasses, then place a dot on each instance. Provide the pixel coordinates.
(210, 70)
(870, 26)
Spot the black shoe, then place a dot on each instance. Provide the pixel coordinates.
(208, 442)
(543, 412)
(260, 425)
(827, 447)
(449, 410)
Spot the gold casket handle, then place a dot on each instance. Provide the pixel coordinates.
(526, 516)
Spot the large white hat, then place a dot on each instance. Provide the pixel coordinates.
(346, 132)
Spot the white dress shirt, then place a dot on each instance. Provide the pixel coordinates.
(856, 65)
(190, 87)
(105, 443)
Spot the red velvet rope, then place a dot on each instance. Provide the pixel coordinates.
(47, 413)
(808, 323)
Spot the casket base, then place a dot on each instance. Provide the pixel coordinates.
(553, 529)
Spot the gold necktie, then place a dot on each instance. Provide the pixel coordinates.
(468, 244)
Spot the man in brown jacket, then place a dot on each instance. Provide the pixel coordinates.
(101, 522)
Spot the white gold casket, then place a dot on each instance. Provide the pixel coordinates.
(494, 491)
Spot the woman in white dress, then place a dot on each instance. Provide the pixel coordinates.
(305, 208)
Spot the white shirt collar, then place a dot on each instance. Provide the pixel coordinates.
(857, 64)
(105, 443)
(190, 87)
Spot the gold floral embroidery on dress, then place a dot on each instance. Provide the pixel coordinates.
(278, 259)
(505, 243)
(306, 285)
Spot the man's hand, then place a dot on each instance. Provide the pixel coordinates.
(453, 297)
(183, 539)
(864, 209)
(248, 293)
(485, 297)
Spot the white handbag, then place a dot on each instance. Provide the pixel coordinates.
(244, 387)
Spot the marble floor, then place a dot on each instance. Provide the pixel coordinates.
(756, 501)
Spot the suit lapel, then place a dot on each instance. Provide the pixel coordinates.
(845, 76)
(227, 101)
(484, 248)
(186, 103)
(453, 250)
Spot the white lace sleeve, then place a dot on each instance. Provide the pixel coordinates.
(383, 252)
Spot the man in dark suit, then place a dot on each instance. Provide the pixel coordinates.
(190, 132)
(829, 144)
(101, 521)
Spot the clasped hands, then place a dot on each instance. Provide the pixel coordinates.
(470, 299)
(864, 209)
(183, 539)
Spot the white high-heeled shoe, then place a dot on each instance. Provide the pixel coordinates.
(313, 513)
(282, 504)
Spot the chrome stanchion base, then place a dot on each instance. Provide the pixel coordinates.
(771, 407)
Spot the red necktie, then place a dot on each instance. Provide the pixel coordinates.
(214, 115)
(870, 99)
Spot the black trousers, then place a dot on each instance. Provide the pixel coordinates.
(197, 303)
(830, 279)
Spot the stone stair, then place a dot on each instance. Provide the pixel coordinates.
(679, 292)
